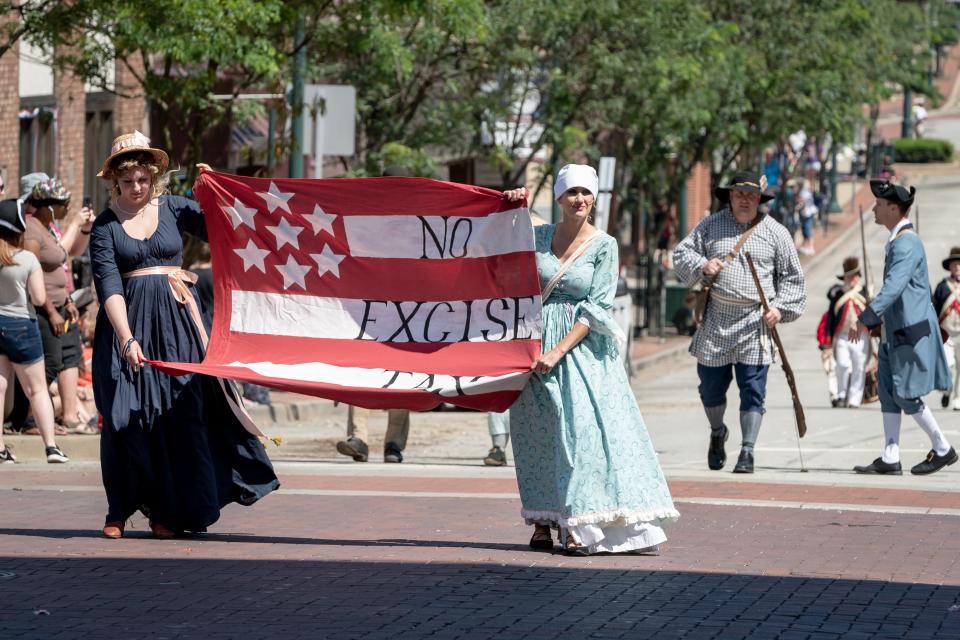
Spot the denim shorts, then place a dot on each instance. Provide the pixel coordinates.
(806, 226)
(20, 340)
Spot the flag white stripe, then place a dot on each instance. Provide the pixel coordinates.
(439, 237)
(444, 385)
(486, 320)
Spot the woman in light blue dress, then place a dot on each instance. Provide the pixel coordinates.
(584, 460)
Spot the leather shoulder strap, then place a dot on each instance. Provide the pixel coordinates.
(742, 241)
(736, 248)
(566, 265)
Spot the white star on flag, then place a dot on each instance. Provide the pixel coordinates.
(253, 256)
(293, 273)
(240, 214)
(321, 220)
(275, 198)
(286, 233)
(327, 260)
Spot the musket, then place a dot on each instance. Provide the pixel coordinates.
(866, 265)
(791, 380)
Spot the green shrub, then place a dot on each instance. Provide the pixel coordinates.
(923, 150)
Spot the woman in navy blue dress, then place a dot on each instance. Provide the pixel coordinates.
(171, 447)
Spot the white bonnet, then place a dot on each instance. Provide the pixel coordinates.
(576, 175)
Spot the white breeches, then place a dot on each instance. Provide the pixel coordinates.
(830, 368)
(851, 360)
(951, 349)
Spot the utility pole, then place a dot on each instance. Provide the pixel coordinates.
(296, 99)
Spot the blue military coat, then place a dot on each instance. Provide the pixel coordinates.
(911, 333)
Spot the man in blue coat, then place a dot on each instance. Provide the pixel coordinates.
(911, 362)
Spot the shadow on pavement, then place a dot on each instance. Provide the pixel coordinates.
(264, 598)
(143, 534)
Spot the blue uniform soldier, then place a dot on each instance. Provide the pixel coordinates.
(911, 362)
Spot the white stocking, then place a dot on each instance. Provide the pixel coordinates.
(891, 437)
(929, 424)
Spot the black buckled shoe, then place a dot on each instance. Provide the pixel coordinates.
(355, 448)
(744, 463)
(879, 467)
(934, 463)
(716, 454)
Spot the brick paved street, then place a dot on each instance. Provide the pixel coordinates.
(387, 554)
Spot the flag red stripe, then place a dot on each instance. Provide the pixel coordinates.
(512, 274)
(368, 196)
(458, 358)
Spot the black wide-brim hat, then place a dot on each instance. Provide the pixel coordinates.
(744, 181)
(851, 266)
(953, 257)
(893, 192)
(11, 216)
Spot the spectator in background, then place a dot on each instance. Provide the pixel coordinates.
(21, 349)
(887, 171)
(15, 398)
(59, 318)
(771, 168)
(812, 152)
(919, 117)
(394, 442)
(498, 424)
(807, 208)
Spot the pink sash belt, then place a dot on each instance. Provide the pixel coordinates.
(178, 278)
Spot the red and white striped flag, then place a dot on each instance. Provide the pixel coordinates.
(379, 292)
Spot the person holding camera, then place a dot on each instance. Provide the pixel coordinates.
(58, 318)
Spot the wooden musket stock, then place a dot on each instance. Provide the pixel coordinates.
(791, 380)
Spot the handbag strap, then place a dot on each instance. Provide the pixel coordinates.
(547, 290)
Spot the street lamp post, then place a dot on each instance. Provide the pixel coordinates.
(906, 128)
(834, 206)
(296, 100)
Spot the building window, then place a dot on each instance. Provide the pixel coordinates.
(98, 136)
(38, 141)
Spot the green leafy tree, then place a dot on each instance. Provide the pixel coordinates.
(181, 54)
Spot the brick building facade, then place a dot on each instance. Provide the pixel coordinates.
(9, 122)
(699, 197)
(51, 122)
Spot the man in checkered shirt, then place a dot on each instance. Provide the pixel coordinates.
(733, 338)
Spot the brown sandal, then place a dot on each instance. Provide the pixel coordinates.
(574, 548)
(542, 537)
(83, 428)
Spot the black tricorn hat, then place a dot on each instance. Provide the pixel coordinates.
(893, 192)
(744, 181)
(953, 257)
(11, 216)
(851, 266)
(396, 170)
